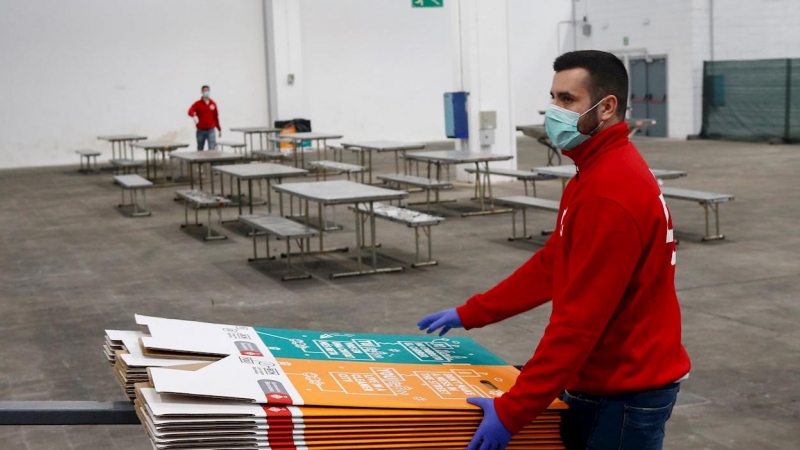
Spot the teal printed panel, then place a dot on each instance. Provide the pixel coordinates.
(383, 348)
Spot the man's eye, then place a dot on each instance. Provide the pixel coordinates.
(567, 100)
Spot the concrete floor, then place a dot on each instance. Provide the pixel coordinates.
(71, 265)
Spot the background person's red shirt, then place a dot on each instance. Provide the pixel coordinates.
(609, 269)
(207, 114)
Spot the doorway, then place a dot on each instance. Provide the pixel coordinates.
(649, 93)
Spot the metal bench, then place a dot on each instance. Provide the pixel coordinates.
(88, 155)
(126, 166)
(269, 155)
(708, 200)
(426, 184)
(285, 229)
(523, 175)
(203, 200)
(134, 184)
(410, 218)
(337, 150)
(521, 202)
(237, 147)
(324, 167)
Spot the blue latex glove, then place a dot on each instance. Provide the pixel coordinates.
(446, 320)
(491, 433)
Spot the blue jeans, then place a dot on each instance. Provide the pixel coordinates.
(209, 135)
(624, 422)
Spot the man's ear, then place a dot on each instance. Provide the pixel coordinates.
(608, 108)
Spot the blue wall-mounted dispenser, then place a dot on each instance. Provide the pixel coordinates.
(455, 114)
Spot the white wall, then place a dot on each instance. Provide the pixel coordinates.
(664, 28)
(535, 42)
(72, 70)
(376, 69)
(680, 29)
(755, 29)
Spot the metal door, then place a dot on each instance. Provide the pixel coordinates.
(657, 96)
(638, 100)
(648, 99)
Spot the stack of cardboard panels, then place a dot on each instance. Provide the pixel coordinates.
(130, 363)
(291, 389)
(114, 344)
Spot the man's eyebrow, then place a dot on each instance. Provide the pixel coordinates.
(562, 94)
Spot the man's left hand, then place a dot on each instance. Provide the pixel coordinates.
(220, 133)
(491, 433)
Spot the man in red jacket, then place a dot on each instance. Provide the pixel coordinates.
(206, 117)
(612, 350)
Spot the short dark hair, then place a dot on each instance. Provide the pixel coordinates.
(607, 75)
(205, 86)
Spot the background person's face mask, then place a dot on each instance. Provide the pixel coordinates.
(206, 94)
(562, 126)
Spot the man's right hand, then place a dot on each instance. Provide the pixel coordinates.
(196, 120)
(446, 320)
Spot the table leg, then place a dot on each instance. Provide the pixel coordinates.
(164, 164)
(269, 195)
(396, 162)
(239, 192)
(321, 226)
(359, 232)
(372, 233)
(250, 195)
(486, 184)
(147, 163)
(191, 174)
(362, 161)
(370, 166)
(211, 176)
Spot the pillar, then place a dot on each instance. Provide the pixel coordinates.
(285, 76)
(482, 67)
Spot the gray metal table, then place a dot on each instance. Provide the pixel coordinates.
(447, 157)
(297, 138)
(121, 145)
(341, 192)
(567, 171)
(158, 146)
(262, 132)
(261, 171)
(204, 157)
(539, 133)
(639, 125)
(365, 149)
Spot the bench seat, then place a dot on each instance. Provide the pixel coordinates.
(281, 228)
(708, 200)
(203, 200)
(427, 185)
(522, 203)
(325, 166)
(134, 184)
(410, 218)
(522, 175)
(414, 181)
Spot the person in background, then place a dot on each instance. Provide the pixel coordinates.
(206, 116)
(612, 350)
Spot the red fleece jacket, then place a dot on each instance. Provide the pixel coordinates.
(609, 268)
(207, 114)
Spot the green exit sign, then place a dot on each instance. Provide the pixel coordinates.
(427, 3)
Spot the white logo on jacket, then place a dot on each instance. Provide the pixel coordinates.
(561, 231)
